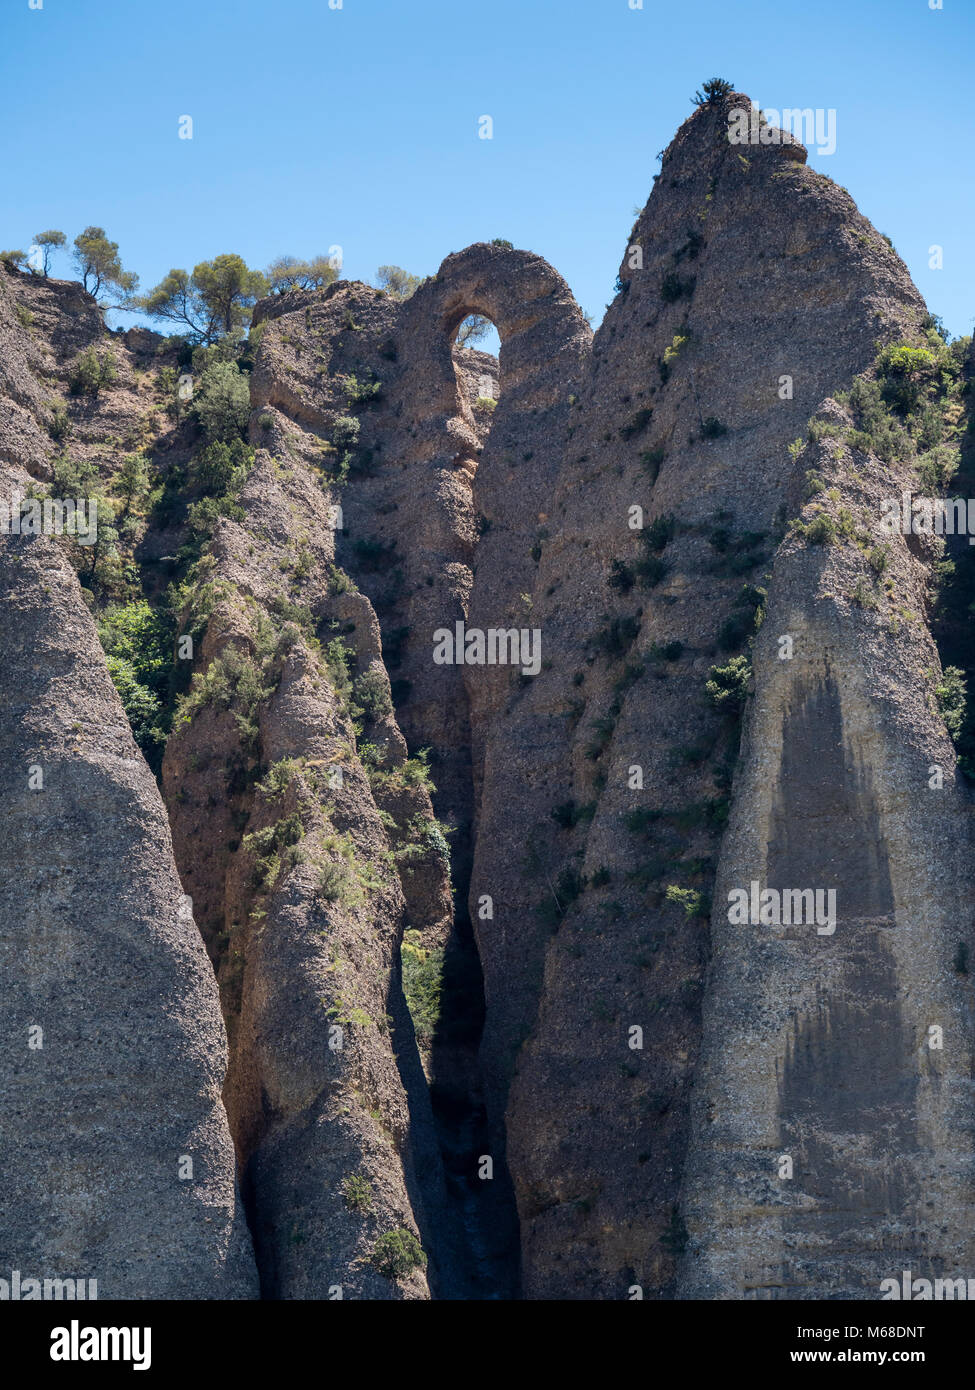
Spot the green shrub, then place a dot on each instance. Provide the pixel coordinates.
(234, 680)
(269, 846)
(693, 903)
(676, 347)
(906, 375)
(89, 372)
(435, 838)
(422, 983)
(863, 596)
(357, 1193)
(138, 646)
(58, 423)
(727, 686)
(951, 695)
(221, 402)
(361, 392)
(345, 432)
(712, 428)
(221, 467)
(823, 429)
(279, 777)
(413, 772)
(876, 431)
(338, 656)
(734, 630)
(370, 692)
(938, 466)
(142, 708)
(86, 374)
(878, 558)
(202, 517)
(821, 530)
(337, 883)
(397, 1253)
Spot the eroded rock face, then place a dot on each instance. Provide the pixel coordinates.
(681, 416)
(42, 323)
(305, 914)
(433, 485)
(635, 1065)
(119, 1163)
(829, 1123)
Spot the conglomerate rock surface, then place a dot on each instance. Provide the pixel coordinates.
(619, 1091)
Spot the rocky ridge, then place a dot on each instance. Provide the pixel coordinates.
(557, 866)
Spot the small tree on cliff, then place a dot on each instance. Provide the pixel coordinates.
(98, 262)
(397, 282)
(222, 402)
(288, 273)
(49, 242)
(214, 302)
(713, 92)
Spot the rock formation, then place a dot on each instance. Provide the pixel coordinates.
(120, 1167)
(492, 1031)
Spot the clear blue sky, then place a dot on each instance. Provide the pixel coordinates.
(358, 126)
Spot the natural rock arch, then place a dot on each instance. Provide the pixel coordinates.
(546, 344)
(542, 329)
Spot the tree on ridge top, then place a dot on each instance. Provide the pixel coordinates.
(713, 92)
(214, 302)
(97, 259)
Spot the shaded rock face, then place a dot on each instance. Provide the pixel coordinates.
(317, 1097)
(119, 1163)
(430, 485)
(669, 1098)
(703, 331)
(830, 1123)
(42, 323)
